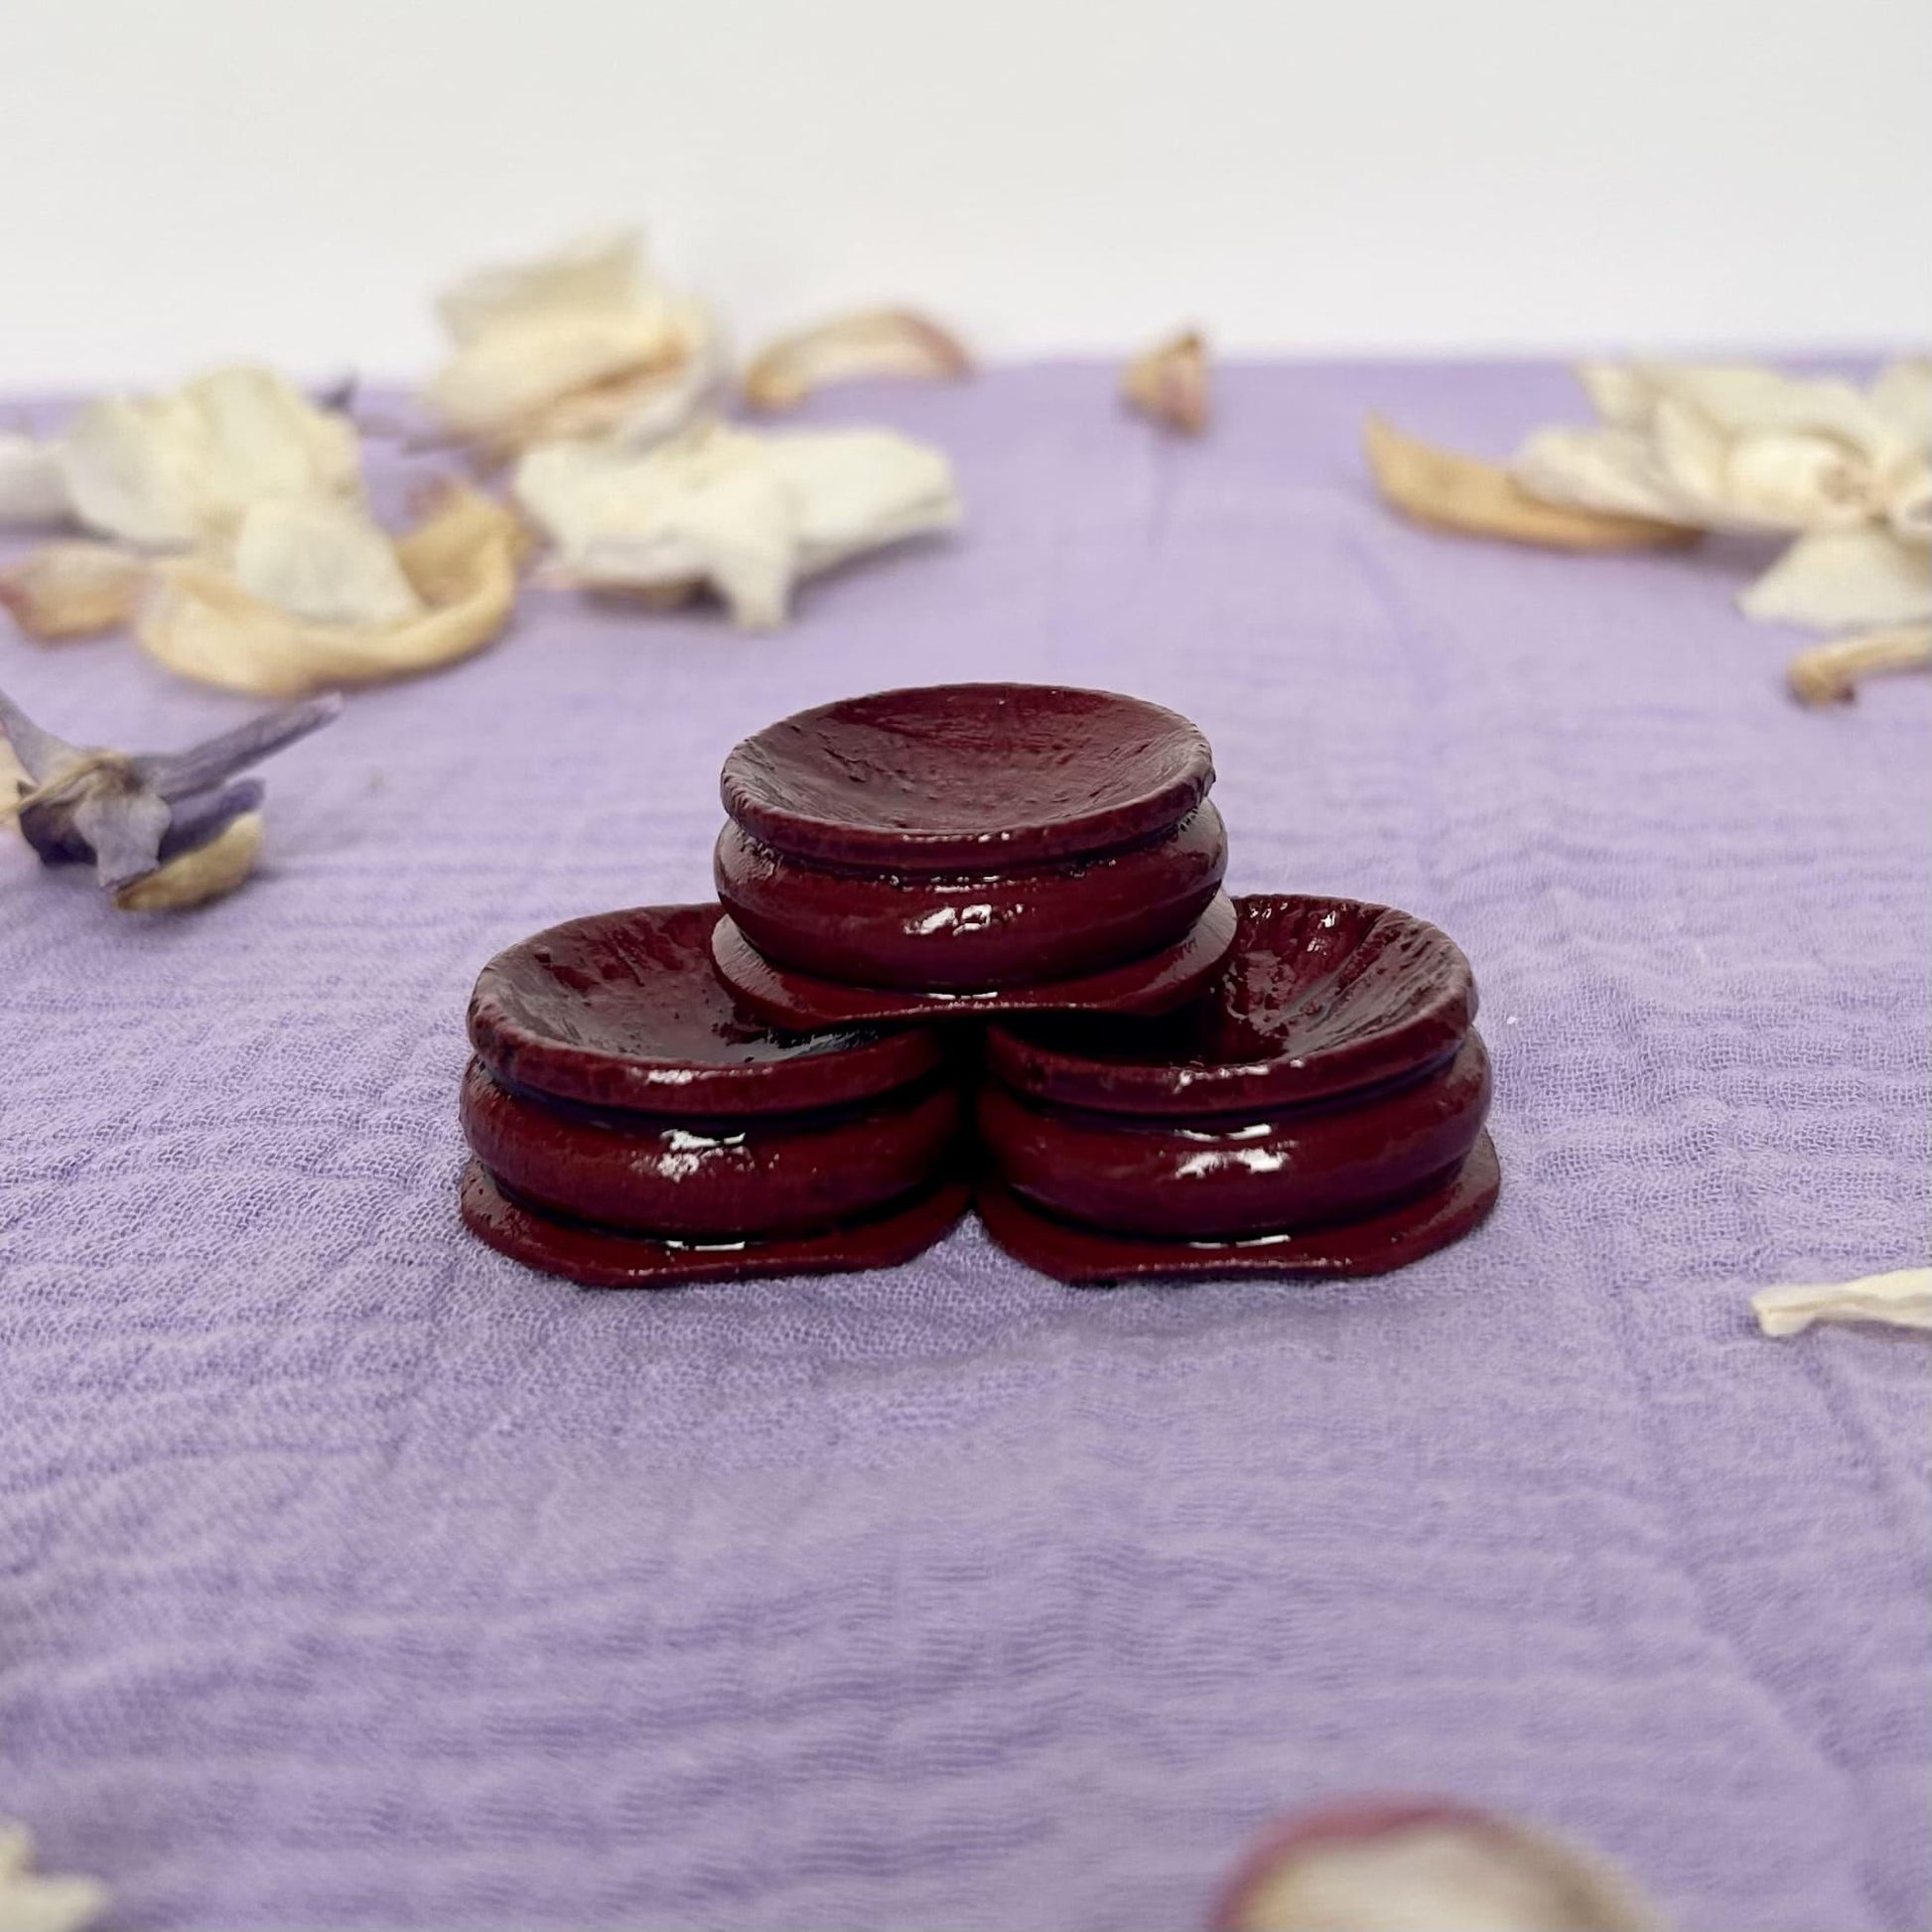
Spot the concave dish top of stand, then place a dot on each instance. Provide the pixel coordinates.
(624, 1010)
(1318, 996)
(967, 776)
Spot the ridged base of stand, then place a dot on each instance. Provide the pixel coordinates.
(1085, 1257)
(596, 1257)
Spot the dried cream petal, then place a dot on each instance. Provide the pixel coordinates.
(73, 589)
(1751, 449)
(1902, 1300)
(323, 563)
(1905, 488)
(582, 343)
(1608, 469)
(746, 515)
(1832, 673)
(199, 875)
(869, 342)
(1759, 480)
(1462, 494)
(594, 272)
(1902, 394)
(1624, 396)
(709, 507)
(658, 404)
(1743, 401)
(1169, 384)
(636, 409)
(32, 490)
(137, 470)
(859, 490)
(1834, 579)
(488, 390)
(30, 1902)
(460, 562)
(172, 471)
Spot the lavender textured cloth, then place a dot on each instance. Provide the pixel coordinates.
(350, 1576)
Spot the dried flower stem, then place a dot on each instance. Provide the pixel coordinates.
(1832, 673)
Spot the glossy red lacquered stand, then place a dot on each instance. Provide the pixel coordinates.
(632, 1126)
(970, 849)
(1319, 1110)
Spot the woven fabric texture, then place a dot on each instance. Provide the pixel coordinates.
(352, 1576)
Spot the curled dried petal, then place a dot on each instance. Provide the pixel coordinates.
(869, 342)
(460, 564)
(636, 410)
(1832, 673)
(583, 342)
(202, 873)
(1169, 384)
(72, 588)
(1467, 496)
(1902, 1298)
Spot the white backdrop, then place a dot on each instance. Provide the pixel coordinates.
(288, 178)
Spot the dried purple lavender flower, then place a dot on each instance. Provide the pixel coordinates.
(128, 814)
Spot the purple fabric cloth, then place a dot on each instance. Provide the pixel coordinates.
(350, 1576)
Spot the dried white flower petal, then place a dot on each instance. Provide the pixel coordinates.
(1612, 470)
(1900, 1299)
(32, 1903)
(1416, 1865)
(1729, 479)
(705, 508)
(634, 411)
(748, 515)
(582, 343)
(1902, 394)
(1467, 496)
(179, 471)
(869, 342)
(1834, 579)
(1832, 673)
(593, 272)
(859, 490)
(32, 490)
(461, 565)
(72, 588)
(202, 873)
(1169, 384)
(1740, 449)
(323, 563)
